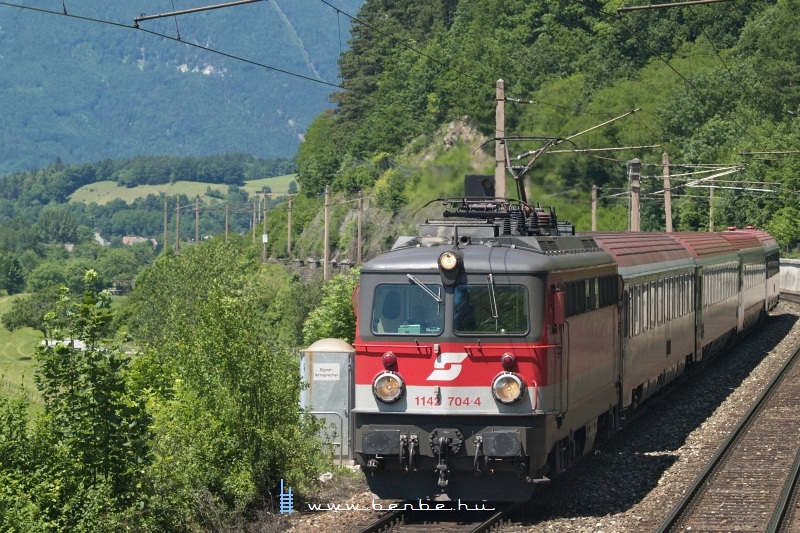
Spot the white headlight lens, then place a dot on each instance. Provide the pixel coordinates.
(508, 388)
(448, 261)
(388, 387)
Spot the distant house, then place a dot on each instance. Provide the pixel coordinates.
(130, 241)
(100, 240)
(79, 344)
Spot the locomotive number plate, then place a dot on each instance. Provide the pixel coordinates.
(449, 401)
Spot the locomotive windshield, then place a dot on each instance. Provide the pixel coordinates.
(480, 307)
(501, 309)
(408, 309)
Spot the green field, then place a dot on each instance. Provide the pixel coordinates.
(103, 192)
(16, 354)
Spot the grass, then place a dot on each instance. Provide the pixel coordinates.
(103, 192)
(17, 349)
(16, 354)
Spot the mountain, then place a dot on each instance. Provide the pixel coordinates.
(88, 85)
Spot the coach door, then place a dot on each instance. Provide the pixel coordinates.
(699, 327)
(558, 317)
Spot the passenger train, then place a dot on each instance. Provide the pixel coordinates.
(494, 345)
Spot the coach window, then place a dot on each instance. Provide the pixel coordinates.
(645, 307)
(653, 302)
(671, 288)
(626, 313)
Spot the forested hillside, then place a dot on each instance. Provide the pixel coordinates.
(715, 84)
(80, 83)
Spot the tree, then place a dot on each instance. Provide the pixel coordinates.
(225, 394)
(81, 465)
(18, 235)
(29, 311)
(317, 157)
(335, 316)
(101, 423)
(11, 278)
(46, 274)
(57, 225)
(390, 191)
(785, 227)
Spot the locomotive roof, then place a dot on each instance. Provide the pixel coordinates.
(507, 255)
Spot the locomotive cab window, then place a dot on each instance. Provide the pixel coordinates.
(400, 309)
(490, 309)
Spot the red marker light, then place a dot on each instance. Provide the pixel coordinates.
(389, 359)
(508, 361)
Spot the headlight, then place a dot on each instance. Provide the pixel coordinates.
(448, 261)
(388, 387)
(508, 388)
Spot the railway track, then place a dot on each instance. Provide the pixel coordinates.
(478, 518)
(750, 482)
(789, 297)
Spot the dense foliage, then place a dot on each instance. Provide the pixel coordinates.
(81, 465)
(186, 435)
(713, 84)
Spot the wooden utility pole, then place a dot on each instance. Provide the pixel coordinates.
(634, 169)
(594, 207)
(197, 219)
(667, 192)
(264, 232)
(289, 229)
(164, 246)
(178, 225)
(326, 252)
(226, 222)
(499, 145)
(253, 223)
(358, 245)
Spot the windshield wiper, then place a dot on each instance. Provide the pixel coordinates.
(422, 286)
(492, 297)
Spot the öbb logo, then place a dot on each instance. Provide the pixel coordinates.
(447, 367)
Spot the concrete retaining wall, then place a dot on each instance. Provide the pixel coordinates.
(790, 275)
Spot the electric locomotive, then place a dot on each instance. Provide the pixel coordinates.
(493, 346)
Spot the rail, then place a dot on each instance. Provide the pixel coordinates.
(712, 471)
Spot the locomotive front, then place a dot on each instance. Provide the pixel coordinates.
(456, 375)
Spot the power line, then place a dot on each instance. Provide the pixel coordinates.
(662, 6)
(175, 39)
(144, 17)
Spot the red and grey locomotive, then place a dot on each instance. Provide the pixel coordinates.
(492, 346)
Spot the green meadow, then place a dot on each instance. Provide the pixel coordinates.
(103, 192)
(16, 354)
